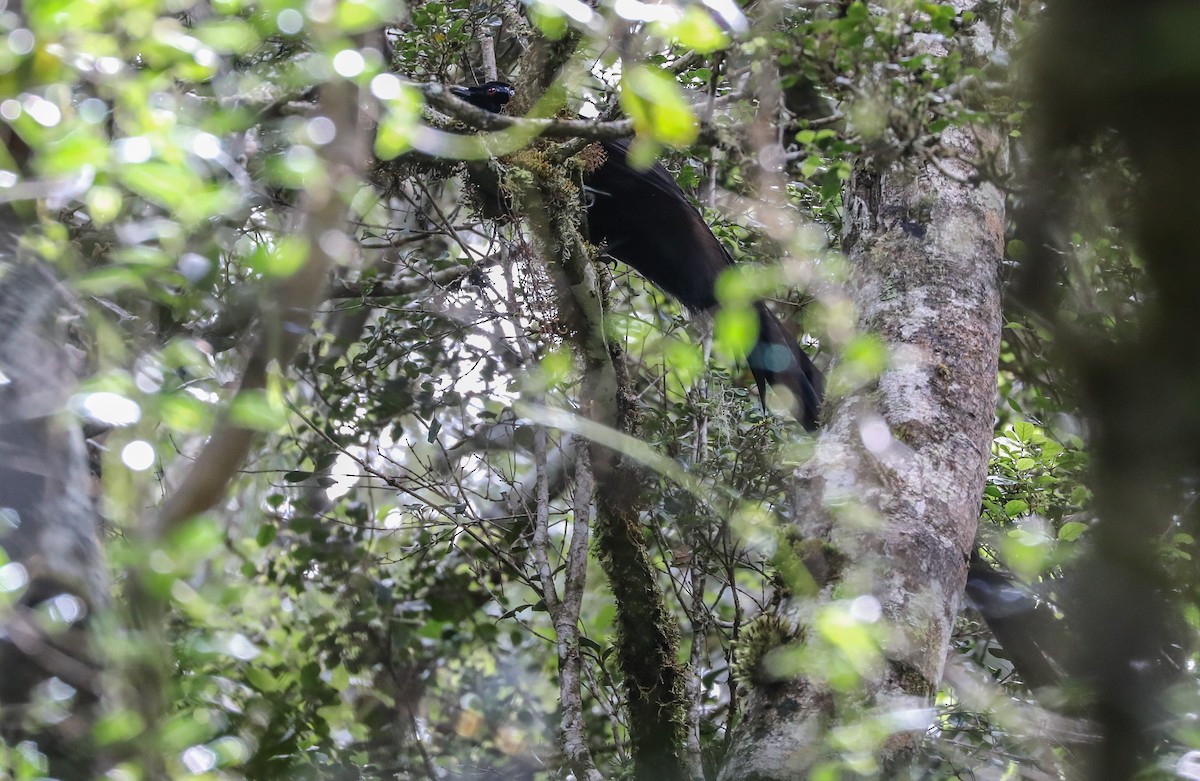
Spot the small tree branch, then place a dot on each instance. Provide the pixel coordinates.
(324, 213)
(574, 734)
(648, 636)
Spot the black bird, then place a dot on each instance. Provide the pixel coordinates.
(493, 96)
(644, 220)
(1025, 624)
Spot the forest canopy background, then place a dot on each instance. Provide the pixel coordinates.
(313, 465)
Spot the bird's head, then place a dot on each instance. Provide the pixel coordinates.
(489, 97)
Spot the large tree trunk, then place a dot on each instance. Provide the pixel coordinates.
(891, 498)
(48, 523)
(1109, 74)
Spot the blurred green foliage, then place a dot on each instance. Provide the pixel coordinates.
(365, 604)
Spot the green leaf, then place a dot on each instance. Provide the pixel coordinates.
(310, 675)
(556, 367)
(196, 539)
(740, 286)
(735, 330)
(588, 642)
(1016, 507)
(402, 114)
(228, 36)
(262, 680)
(642, 153)
(696, 29)
(287, 257)
(655, 103)
(548, 18)
(356, 16)
(941, 17)
(110, 279)
(165, 184)
(1051, 450)
(867, 353)
(104, 204)
(266, 534)
(80, 148)
(253, 410)
(1071, 531)
(513, 611)
(1024, 431)
(49, 17)
(281, 260)
(184, 413)
(685, 361)
(117, 727)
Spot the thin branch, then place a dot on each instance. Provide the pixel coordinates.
(23, 629)
(325, 210)
(541, 530)
(574, 734)
(406, 286)
(439, 97)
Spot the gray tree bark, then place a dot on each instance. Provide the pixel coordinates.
(892, 495)
(48, 523)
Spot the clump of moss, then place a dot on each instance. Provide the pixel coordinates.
(805, 566)
(535, 175)
(760, 637)
(532, 160)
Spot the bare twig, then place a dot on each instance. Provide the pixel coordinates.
(575, 744)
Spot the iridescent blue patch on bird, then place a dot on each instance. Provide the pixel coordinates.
(772, 357)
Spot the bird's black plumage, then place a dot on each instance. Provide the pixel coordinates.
(1024, 624)
(493, 96)
(643, 219)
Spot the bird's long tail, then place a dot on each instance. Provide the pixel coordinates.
(778, 360)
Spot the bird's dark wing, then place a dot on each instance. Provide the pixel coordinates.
(1026, 626)
(657, 176)
(645, 220)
